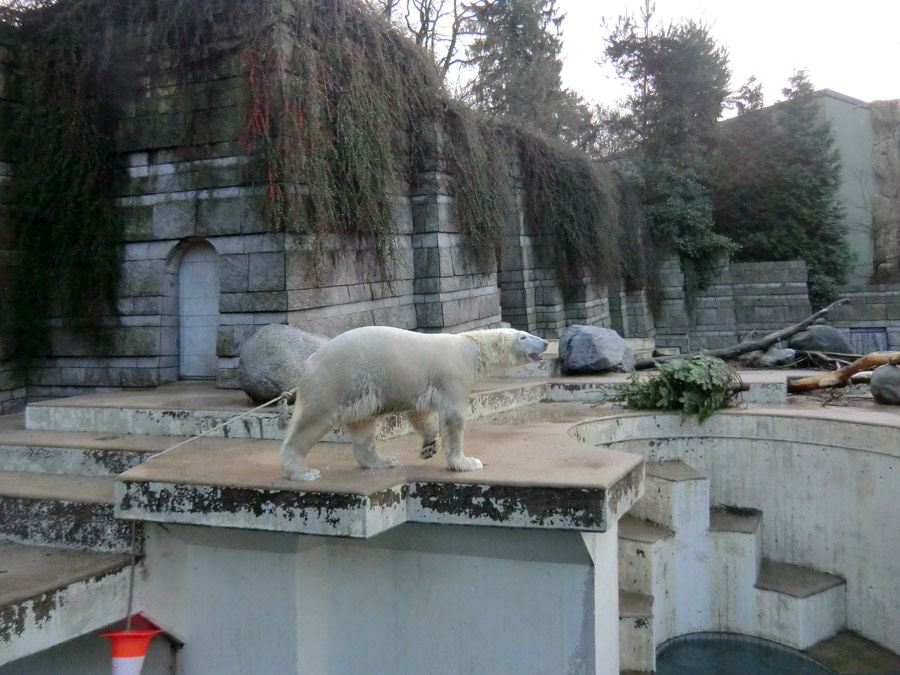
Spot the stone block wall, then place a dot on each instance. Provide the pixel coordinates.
(189, 184)
(449, 292)
(12, 384)
(744, 299)
(629, 312)
(872, 319)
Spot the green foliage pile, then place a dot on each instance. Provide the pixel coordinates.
(776, 185)
(696, 386)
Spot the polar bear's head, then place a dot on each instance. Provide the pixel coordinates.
(502, 348)
(526, 345)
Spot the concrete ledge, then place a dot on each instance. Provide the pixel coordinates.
(534, 476)
(49, 596)
(66, 511)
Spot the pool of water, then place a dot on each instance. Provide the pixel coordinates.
(720, 654)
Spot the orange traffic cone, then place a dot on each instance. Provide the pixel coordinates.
(129, 647)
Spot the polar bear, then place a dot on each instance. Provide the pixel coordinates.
(371, 371)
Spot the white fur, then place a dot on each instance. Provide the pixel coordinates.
(372, 371)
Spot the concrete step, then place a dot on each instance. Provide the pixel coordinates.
(51, 595)
(850, 653)
(798, 606)
(637, 646)
(645, 555)
(735, 550)
(647, 567)
(72, 453)
(65, 511)
(187, 408)
(676, 497)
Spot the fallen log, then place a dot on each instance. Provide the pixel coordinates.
(841, 377)
(762, 343)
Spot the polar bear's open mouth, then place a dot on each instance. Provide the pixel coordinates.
(535, 356)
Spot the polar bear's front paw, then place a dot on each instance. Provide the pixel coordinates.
(467, 464)
(308, 474)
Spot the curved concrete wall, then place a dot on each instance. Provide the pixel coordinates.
(827, 481)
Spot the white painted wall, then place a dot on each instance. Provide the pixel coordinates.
(828, 488)
(417, 599)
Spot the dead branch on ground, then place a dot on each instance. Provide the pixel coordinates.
(750, 345)
(841, 377)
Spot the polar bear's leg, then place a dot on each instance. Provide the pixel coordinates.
(428, 426)
(453, 424)
(362, 434)
(305, 431)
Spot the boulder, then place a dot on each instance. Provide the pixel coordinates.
(821, 339)
(591, 349)
(885, 385)
(272, 360)
(772, 358)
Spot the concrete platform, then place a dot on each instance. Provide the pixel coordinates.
(535, 476)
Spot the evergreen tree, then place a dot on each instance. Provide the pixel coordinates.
(776, 188)
(680, 85)
(516, 55)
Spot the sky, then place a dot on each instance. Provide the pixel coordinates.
(849, 46)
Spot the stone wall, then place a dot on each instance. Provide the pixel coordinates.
(872, 319)
(190, 186)
(12, 384)
(743, 299)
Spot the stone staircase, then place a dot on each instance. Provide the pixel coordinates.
(685, 568)
(64, 556)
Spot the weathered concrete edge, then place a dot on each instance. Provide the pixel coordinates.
(50, 618)
(364, 516)
(260, 425)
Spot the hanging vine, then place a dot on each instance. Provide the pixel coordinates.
(338, 114)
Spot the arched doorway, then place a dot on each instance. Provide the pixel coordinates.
(198, 312)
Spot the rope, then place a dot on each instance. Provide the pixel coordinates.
(131, 575)
(284, 396)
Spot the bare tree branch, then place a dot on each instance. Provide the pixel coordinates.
(750, 345)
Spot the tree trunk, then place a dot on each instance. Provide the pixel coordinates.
(839, 378)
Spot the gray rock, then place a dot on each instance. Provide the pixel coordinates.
(591, 349)
(272, 360)
(774, 357)
(885, 385)
(821, 339)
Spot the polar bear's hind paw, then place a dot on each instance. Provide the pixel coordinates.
(429, 449)
(467, 464)
(380, 462)
(307, 475)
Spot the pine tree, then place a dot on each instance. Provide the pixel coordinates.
(680, 84)
(516, 55)
(776, 190)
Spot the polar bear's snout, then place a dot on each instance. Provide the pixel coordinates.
(534, 346)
